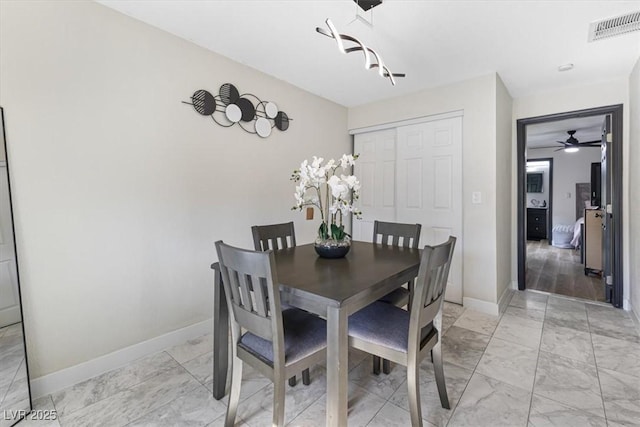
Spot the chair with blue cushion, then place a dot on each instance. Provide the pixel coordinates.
(407, 337)
(395, 234)
(277, 342)
(275, 237)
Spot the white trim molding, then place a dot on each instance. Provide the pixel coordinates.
(481, 306)
(492, 308)
(505, 298)
(9, 315)
(63, 378)
(392, 125)
(634, 312)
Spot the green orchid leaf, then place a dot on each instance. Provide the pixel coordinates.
(337, 232)
(323, 231)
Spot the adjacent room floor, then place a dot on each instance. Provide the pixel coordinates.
(14, 393)
(546, 361)
(559, 271)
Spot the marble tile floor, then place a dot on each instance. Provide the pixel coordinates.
(546, 361)
(14, 392)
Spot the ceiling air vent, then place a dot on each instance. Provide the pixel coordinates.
(614, 26)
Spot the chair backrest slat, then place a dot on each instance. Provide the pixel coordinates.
(245, 291)
(273, 237)
(385, 231)
(261, 300)
(431, 284)
(232, 279)
(249, 281)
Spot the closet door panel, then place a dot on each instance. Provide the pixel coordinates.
(431, 193)
(376, 170)
(413, 174)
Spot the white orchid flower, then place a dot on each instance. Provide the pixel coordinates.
(351, 181)
(345, 208)
(339, 188)
(317, 161)
(330, 164)
(320, 186)
(346, 160)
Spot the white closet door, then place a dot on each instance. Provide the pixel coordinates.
(429, 187)
(376, 170)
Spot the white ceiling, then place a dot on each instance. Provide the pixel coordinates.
(545, 135)
(433, 42)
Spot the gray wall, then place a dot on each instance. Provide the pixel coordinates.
(120, 189)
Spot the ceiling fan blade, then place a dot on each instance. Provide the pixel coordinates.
(591, 143)
(559, 149)
(562, 142)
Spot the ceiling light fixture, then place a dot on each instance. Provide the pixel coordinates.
(367, 4)
(383, 70)
(565, 67)
(367, 7)
(571, 150)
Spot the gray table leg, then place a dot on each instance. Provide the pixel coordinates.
(220, 335)
(337, 369)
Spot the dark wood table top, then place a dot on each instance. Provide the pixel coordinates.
(339, 280)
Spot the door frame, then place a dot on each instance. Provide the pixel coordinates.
(616, 112)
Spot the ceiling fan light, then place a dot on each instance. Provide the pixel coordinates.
(571, 150)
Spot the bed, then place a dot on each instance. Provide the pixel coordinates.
(576, 242)
(565, 236)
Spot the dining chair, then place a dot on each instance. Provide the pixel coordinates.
(395, 234)
(407, 337)
(277, 342)
(274, 237)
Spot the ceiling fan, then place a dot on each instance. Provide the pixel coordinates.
(571, 145)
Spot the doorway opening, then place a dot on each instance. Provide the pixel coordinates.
(570, 226)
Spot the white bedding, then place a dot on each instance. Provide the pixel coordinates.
(575, 242)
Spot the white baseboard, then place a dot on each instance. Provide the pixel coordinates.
(9, 316)
(495, 309)
(505, 298)
(63, 378)
(481, 306)
(635, 313)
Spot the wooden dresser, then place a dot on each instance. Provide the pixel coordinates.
(592, 240)
(537, 223)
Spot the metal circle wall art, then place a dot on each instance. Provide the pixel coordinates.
(229, 107)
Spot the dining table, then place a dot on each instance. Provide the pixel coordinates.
(330, 288)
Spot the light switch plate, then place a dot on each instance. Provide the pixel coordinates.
(476, 197)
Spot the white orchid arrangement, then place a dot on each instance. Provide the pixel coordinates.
(320, 186)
